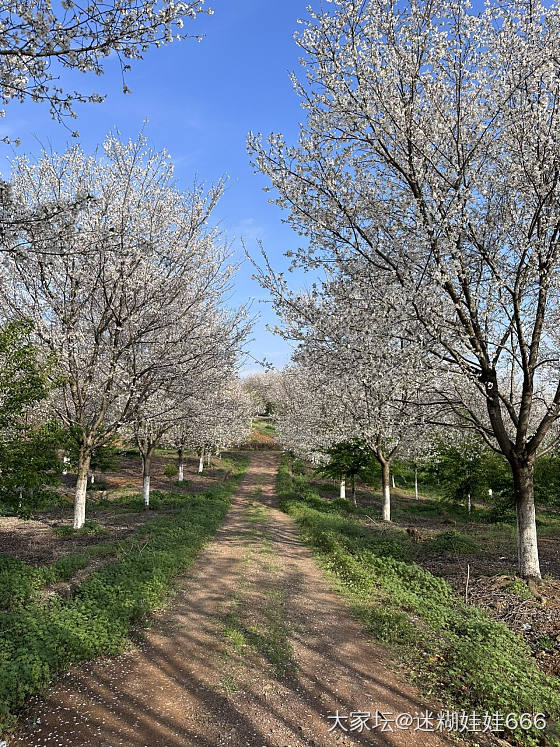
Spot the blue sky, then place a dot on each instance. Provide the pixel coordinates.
(200, 100)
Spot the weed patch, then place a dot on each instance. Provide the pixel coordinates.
(20, 583)
(451, 542)
(89, 527)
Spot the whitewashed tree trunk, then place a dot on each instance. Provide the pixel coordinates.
(469, 503)
(393, 480)
(201, 461)
(386, 490)
(527, 546)
(180, 475)
(81, 487)
(146, 469)
(92, 479)
(343, 488)
(416, 481)
(65, 461)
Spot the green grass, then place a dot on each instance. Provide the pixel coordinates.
(228, 684)
(257, 514)
(455, 651)
(265, 427)
(267, 637)
(39, 640)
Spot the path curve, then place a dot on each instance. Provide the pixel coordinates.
(254, 649)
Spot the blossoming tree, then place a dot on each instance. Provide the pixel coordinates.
(140, 265)
(430, 149)
(40, 39)
(356, 332)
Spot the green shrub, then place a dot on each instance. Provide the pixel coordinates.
(98, 485)
(343, 504)
(503, 512)
(298, 467)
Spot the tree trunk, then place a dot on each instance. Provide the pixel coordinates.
(469, 503)
(393, 480)
(343, 488)
(92, 479)
(354, 490)
(84, 457)
(201, 460)
(386, 488)
(180, 476)
(146, 469)
(416, 481)
(527, 547)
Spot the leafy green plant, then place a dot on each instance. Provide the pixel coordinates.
(519, 587)
(89, 527)
(452, 542)
(20, 583)
(170, 470)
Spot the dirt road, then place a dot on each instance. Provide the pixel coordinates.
(253, 649)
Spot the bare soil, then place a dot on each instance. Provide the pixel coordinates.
(254, 649)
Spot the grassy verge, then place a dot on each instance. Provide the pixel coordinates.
(39, 640)
(456, 652)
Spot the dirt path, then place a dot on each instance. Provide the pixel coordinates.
(254, 649)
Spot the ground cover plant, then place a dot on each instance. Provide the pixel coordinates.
(39, 636)
(456, 651)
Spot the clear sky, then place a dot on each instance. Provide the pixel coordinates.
(200, 101)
